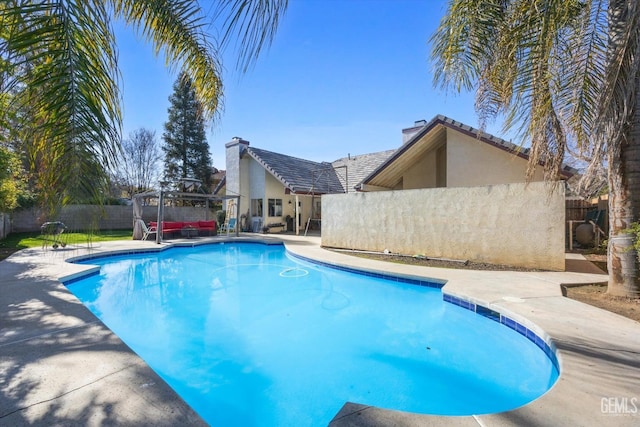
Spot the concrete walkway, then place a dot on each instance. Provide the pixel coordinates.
(59, 365)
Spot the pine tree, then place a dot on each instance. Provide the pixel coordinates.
(185, 144)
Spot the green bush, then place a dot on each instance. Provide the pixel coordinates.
(220, 217)
(635, 231)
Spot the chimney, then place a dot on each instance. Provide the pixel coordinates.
(234, 150)
(408, 133)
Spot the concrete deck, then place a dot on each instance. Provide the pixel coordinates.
(59, 365)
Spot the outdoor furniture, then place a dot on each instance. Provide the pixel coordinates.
(178, 226)
(146, 231)
(208, 226)
(228, 226)
(189, 231)
(256, 224)
(51, 232)
(267, 228)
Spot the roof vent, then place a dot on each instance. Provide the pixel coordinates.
(420, 123)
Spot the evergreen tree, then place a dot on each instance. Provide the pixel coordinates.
(185, 145)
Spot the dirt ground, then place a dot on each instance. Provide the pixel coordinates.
(597, 296)
(590, 294)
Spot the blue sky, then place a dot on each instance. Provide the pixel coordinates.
(341, 77)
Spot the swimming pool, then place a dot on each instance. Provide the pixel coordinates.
(249, 335)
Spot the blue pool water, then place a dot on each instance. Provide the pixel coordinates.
(250, 336)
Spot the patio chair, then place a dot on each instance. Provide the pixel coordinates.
(146, 231)
(228, 226)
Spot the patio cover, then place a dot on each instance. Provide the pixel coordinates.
(161, 195)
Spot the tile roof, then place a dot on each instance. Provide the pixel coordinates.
(358, 167)
(301, 176)
(466, 129)
(221, 184)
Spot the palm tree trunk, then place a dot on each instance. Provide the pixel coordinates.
(624, 166)
(624, 208)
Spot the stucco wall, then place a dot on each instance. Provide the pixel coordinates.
(471, 162)
(511, 224)
(422, 174)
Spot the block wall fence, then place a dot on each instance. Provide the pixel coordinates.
(87, 217)
(512, 224)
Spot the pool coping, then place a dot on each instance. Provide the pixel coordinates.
(598, 351)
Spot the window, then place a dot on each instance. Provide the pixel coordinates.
(275, 207)
(256, 207)
(317, 209)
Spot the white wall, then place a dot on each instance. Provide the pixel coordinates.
(510, 224)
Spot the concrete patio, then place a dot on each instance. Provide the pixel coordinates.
(59, 365)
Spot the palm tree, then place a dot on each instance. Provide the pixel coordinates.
(562, 73)
(59, 74)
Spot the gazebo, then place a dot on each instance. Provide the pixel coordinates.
(162, 196)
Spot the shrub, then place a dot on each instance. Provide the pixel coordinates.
(635, 231)
(220, 217)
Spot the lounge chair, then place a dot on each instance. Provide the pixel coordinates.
(146, 231)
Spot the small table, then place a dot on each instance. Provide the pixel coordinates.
(189, 232)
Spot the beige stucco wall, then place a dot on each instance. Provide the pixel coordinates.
(510, 224)
(274, 190)
(471, 162)
(422, 174)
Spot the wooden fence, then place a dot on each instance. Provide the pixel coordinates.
(576, 209)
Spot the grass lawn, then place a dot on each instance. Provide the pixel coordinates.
(16, 241)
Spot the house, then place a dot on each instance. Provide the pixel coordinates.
(279, 188)
(276, 189)
(463, 195)
(447, 153)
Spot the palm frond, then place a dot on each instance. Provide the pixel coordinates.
(617, 99)
(251, 25)
(64, 60)
(177, 29)
(583, 56)
(510, 52)
(462, 43)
